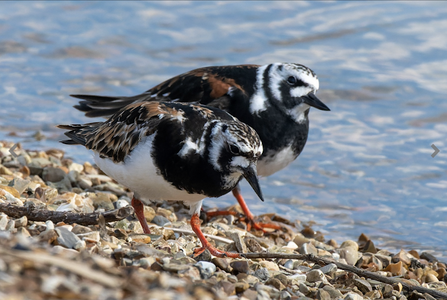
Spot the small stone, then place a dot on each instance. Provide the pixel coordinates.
(300, 239)
(250, 294)
(369, 247)
(322, 295)
(431, 278)
(101, 200)
(363, 285)
(350, 254)
(48, 236)
(21, 222)
(237, 237)
(252, 244)
(429, 257)
(227, 287)
(333, 292)
(92, 236)
(53, 174)
(387, 291)
(23, 231)
(123, 203)
(283, 278)
(353, 296)
(304, 289)
(241, 287)
(5, 171)
(89, 169)
(308, 248)
(10, 190)
(269, 265)
(222, 263)
(350, 244)
(329, 269)
(275, 283)
(395, 269)
(240, 266)
(66, 238)
(167, 214)
(3, 222)
(80, 245)
(19, 184)
(160, 220)
(191, 273)
(149, 214)
(262, 273)
(315, 275)
(402, 256)
(206, 269)
(79, 229)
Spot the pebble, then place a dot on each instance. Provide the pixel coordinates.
(53, 174)
(206, 269)
(315, 275)
(363, 285)
(161, 263)
(240, 266)
(262, 273)
(66, 238)
(160, 220)
(322, 295)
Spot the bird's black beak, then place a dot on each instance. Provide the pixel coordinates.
(313, 101)
(252, 178)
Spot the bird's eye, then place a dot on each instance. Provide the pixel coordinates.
(235, 150)
(291, 80)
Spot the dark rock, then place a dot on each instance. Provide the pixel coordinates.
(429, 257)
(240, 266)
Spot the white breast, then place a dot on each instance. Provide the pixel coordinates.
(141, 176)
(270, 164)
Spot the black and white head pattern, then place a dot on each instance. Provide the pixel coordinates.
(285, 83)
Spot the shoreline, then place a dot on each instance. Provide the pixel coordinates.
(49, 260)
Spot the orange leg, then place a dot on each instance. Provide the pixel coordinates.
(139, 211)
(195, 224)
(249, 215)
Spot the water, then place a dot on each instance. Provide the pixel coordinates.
(367, 166)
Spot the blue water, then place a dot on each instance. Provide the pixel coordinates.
(367, 166)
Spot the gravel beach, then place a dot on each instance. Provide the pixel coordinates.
(67, 231)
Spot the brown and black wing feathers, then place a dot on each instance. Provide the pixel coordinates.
(208, 86)
(119, 135)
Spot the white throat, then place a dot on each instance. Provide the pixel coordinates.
(298, 112)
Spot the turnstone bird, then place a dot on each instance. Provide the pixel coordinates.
(273, 99)
(173, 151)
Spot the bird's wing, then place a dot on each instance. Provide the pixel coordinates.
(213, 86)
(121, 133)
